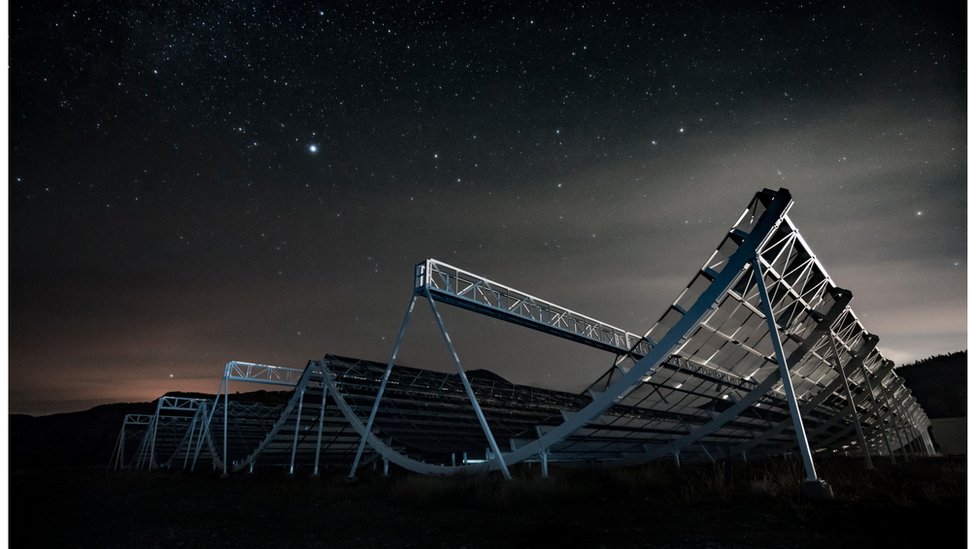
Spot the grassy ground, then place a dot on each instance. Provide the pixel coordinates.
(723, 505)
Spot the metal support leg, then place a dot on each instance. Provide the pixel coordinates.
(909, 424)
(877, 406)
(379, 393)
(467, 387)
(189, 443)
(318, 440)
(152, 441)
(545, 464)
(850, 400)
(386, 467)
(801, 435)
(894, 423)
(677, 459)
(204, 433)
(298, 427)
(929, 447)
(116, 463)
(226, 458)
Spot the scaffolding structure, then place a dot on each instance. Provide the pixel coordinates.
(761, 354)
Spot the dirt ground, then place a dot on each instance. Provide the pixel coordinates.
(919, 503)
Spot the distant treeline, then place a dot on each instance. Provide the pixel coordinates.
(938, 383)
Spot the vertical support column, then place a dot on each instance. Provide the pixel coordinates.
(677, 458)
(152, 441)
(545, 463)
(116, 463)
(801, 434)
(189, 443)
(929, 447)
(894, 420)
(467, 387)
(204, 432)
(877, 406)
(298, 426)
(318, 440)
(386, 467)
(850, 400)
(226, 458)
(379, 392)
(909, 422)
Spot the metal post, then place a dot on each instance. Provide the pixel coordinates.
(379, 393)
(470, 391)
(116, 463)
(877, 406)
(545, 464)
(386, 467)
(909, 425)
(152, 442)
(204, 432)
(318, 441)
(894, 421)
(850, 400)
(298, 426)
(226, 390)
(677, 458)
(929, 447)
(189, 443)
(801, 435)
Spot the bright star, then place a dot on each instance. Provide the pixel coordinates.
(313, 148)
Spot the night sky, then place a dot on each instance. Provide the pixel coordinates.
(196, 182)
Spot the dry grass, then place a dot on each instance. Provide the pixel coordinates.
(735, 504)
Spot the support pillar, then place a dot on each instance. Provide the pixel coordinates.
(226, 390)
(189, 443)
(545, 464)
(379, 392)
(814, 486)
(318, 440)
(850, 400)
(877, 406)
(467, 387)
(298, 426)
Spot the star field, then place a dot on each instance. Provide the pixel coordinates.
(192, 183)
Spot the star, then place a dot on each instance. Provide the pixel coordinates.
(313, 148)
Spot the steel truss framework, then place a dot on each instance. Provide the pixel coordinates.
(760, 355)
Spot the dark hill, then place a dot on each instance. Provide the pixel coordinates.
(85, 439)
(938, 383)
